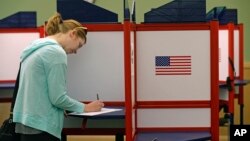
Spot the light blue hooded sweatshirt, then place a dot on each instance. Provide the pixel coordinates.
(42, 95)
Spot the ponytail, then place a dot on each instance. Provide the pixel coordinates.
(57, 25)
(53, 24)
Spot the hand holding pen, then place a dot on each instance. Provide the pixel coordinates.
(94, 106)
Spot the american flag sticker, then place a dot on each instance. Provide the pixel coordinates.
(173, 65)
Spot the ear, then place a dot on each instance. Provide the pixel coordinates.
(72, 34)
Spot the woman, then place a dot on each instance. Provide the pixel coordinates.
(42, 95)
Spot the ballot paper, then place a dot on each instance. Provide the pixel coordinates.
(103, 111)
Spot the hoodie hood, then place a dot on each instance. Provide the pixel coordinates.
(37, 44)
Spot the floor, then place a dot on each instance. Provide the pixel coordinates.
(224, 133)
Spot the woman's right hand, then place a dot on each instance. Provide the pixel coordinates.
(94, 106)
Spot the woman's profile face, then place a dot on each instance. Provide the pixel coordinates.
(73, 43)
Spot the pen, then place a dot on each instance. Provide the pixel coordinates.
(97, 96)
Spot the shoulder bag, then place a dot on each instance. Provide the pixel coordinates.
(7, 130)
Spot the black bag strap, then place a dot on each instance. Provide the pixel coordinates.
(15, 90)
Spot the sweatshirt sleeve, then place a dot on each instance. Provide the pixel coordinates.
(57, 89)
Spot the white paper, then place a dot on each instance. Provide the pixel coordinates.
(104, 110)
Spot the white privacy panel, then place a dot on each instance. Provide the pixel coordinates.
(174, 117)
(11, 46)
(223, 54)
(237, 52)
(98, 67)
(186, 56)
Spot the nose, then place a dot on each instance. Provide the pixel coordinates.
(74, 51)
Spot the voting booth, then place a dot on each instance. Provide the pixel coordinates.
(98, 66)
(175, 93)
(230, 58)
(226, 65)
(231, 67)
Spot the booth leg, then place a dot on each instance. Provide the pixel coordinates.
(119, 137)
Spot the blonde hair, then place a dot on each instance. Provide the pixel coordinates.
(57, 25)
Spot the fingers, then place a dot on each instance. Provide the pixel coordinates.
(94, 106)
(101, 103)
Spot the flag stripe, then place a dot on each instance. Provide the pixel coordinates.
(173, 73)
